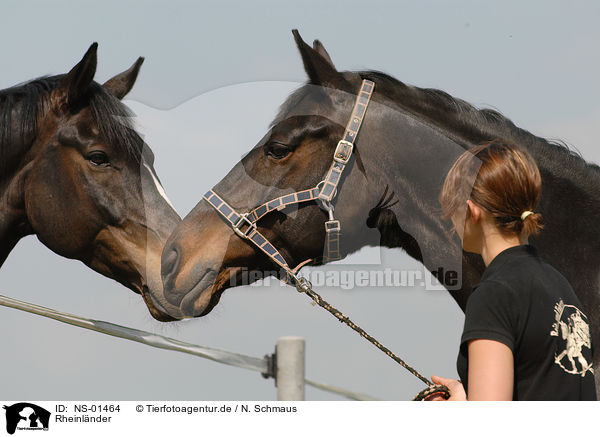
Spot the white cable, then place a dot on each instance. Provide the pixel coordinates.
(161, 342)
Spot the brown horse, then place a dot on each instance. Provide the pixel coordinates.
(74, 172)
(409, 139)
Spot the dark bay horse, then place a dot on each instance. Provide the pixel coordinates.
(409, 139)
(74, 172)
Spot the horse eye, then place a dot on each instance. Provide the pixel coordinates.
(277, 150)
(98, 158)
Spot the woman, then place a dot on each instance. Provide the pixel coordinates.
(525, 335)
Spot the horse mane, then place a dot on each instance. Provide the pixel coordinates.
(31, 99)
(468, 122)
(478, 125)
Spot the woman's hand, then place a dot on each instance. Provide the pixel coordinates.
(457, 391)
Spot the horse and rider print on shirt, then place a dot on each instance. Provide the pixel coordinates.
(571, 326)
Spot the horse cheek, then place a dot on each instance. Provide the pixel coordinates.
(56, 210)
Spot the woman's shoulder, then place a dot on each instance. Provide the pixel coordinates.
(523, 280)
(524, 271)
(493, 292)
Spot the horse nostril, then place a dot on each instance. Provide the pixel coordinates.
(169, 265)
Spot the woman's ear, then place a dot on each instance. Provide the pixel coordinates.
(473, 211)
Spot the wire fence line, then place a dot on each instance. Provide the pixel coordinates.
(224, 357)
(340, 391)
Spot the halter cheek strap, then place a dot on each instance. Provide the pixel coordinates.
(244, 224)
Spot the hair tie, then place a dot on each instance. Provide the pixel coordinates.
(525, 214)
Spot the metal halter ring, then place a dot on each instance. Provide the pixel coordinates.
(327, 206)
(241, 222)
(320, 187)
(302, 284)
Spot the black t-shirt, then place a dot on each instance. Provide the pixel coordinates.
(523, 302)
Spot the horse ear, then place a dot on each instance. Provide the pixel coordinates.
(319, 68)
(77, 81)
(122, 83)
(320, 49)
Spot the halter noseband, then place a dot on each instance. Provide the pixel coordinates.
(244, 224)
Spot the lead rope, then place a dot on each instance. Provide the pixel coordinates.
(304, 286)
(244, 225)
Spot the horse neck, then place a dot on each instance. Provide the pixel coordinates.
(570, 202)
(469, 126)
(570, 207)
(411, 158)
(16, 139)
(18, 127)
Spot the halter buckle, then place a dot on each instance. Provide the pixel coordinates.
(244, 220)
(343, 152)
(332, 226)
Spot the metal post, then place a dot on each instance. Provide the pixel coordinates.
(289, 369)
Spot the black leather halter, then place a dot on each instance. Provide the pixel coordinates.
(244, 224)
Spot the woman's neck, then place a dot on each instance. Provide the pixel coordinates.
(494, 242)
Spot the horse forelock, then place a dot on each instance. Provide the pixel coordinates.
(28, 101)
(115, 122)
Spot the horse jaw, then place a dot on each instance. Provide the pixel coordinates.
(131, 255)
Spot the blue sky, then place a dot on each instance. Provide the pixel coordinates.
(537, 62)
